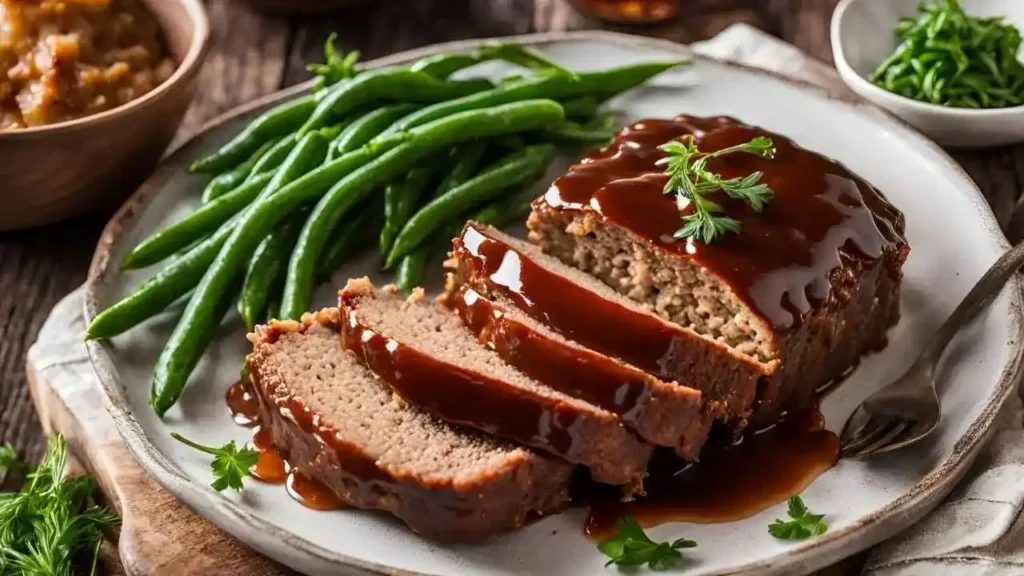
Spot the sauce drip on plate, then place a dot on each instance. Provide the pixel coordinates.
(731, 482)
(271, 467)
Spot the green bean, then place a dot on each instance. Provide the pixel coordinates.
(573, 132)
(369, 126)
(582, 108)
(442, 66)
(275, 156)
(266, 272)
(509, 171)
(551, 85)
(400, 199)
(387, 84)
(199, 224)
(505, 210)
(181, 275)
(466, 166)
(275, 123)
(412, 268)
(274, 308)
(348, 237)
(410, 147)
(232, 179)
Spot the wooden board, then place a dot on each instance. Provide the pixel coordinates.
(159, 535)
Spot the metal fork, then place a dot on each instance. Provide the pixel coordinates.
(907, 410)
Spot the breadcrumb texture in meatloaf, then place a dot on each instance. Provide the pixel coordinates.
(805, 288)
(425, 353)
(377, 452)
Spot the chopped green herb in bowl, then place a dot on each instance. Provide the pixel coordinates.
(950, 58)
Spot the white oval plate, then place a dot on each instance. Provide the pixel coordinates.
(949, 225)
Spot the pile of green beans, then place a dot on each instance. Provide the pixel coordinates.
(402, 155)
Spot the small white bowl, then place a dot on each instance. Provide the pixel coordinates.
(863, 36)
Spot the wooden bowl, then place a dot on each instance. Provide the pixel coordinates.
(54, 172)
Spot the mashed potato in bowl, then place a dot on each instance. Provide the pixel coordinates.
(66, 59)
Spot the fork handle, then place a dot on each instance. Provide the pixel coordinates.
(987, 288)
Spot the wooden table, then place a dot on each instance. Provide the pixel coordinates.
(254, 54)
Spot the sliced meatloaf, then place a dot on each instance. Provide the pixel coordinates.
(431, 360)
(582, 309)
(335, 422)
(663, 413)
(793, 299)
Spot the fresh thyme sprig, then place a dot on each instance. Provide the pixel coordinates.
(802, 525)
(632, 547)
(230, 464)
(691, 182)
(48, 527)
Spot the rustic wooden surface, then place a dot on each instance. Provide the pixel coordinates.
(254, 54)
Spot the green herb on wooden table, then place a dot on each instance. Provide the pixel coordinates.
(950, 58)
(691, 182)
(230, 464)
(49, 526)
(801, 525)
(632, 547)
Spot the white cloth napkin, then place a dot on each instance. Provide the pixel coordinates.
(978, 530)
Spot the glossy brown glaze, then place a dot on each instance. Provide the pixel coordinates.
(243, 405)
(729, 483)
(311, 493)
(271, 467)
(460, 396)
(781, 262)
(577, 313)
(662, 413)
(606, 384)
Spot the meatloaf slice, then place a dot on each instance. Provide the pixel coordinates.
(430, 359)
(335, 422)
(584, 310)
(802, 289)
(663, 413)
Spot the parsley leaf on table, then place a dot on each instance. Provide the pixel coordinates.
(691, 181)
(49, 523)
(230, 464)
(803, 524)
(632, 547)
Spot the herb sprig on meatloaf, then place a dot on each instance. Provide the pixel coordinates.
(691, 182)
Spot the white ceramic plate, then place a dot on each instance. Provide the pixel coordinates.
(949, 225)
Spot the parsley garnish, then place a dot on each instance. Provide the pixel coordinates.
(229, 464)
(9, 460)
(803, 524)
(691, 182)
(49, 524)
(631, 547)
(951, 58)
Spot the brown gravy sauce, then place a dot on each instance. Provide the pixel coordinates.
(731, 482)
(782, 261)
(271, 467)
(575, 312)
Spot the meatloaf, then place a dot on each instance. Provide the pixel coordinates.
(584, 310)
(335, 422)
(785, 305)
(663, 413)
(432, 360)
